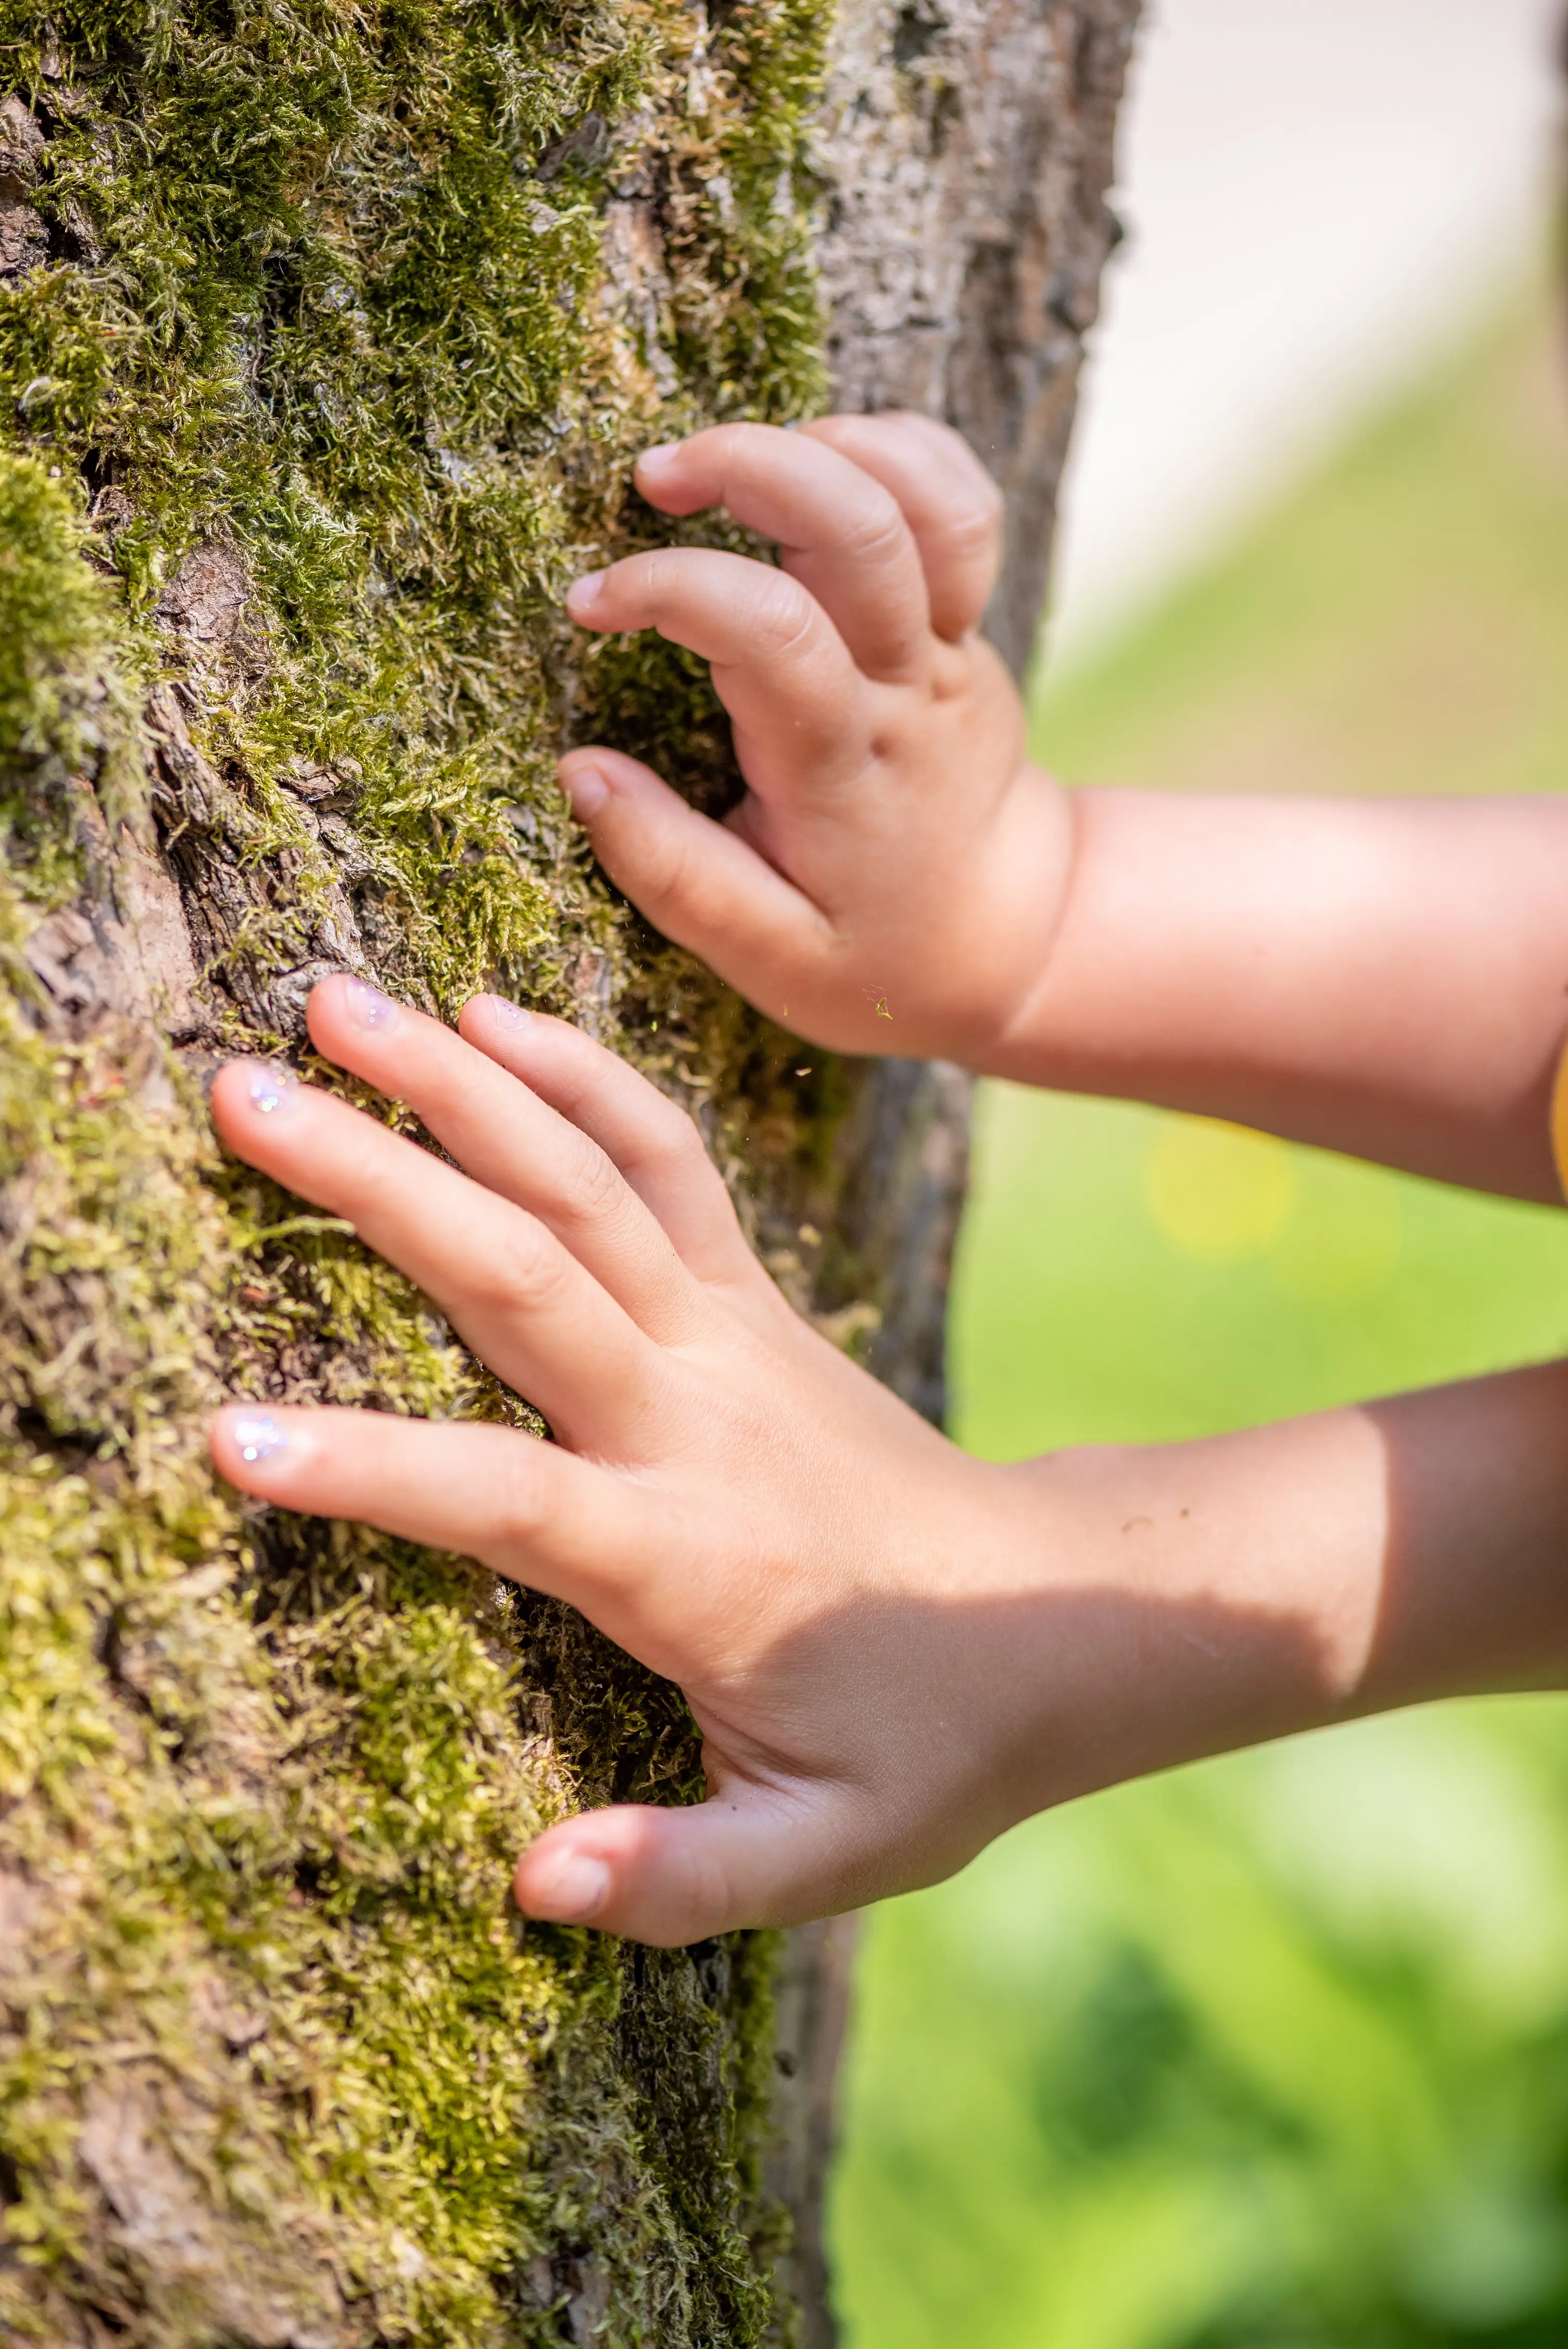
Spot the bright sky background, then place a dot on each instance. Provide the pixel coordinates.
(1321, 195)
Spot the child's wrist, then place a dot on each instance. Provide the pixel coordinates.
(1012, 1034)
(1193, 1598)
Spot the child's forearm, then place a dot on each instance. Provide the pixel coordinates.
(1386, 978)
(1246, 1586)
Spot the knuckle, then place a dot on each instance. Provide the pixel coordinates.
(783, 617)
(680, 1136)
(738, 443)
(975, 528)
(672, 1141)
(656, 571)
(670, 878)
(530, 1271)
(522, 1500)
(875, 533)
(593, 1189)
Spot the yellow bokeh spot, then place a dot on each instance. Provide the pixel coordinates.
(1218, 1192)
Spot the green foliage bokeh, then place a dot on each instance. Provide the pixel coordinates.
(1272, 2053)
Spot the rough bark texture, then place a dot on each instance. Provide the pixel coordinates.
(326, 338)
(812, 1993)
(966, 149)
(964, 152)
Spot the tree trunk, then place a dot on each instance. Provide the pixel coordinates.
(327, 336)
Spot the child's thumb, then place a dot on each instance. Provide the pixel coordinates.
(670, 1876)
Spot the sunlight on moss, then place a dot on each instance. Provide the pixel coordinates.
(328, 381)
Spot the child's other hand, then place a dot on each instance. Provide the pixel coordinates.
(893, 878)
(729, 1498)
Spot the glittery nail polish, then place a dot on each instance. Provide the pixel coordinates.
(271, 1086)
(584, 594)
(368, 1007)
(508, 1013)
(258, 1436)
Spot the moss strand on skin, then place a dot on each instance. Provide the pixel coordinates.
(324, 377)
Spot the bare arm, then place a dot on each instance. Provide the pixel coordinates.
(1388, 978)
(1248, 1585)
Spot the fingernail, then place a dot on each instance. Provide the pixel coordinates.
(270, 1086)
(257, 1436)
(584, 594)
(368, 1007)
(587, 790)
(659, 457)
(505, 1012)
(575, 1889)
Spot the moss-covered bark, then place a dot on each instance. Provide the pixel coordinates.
(326, 333)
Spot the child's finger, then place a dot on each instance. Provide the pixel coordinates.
(518, 1299)
(842, 531)
(694, 880)
(653, 1142)
(529, 1510)
(671, 1877)
(948, 498)
(514, 1144)
(779, 665)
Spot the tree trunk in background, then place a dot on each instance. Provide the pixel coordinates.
(964, 148)
(326, 339)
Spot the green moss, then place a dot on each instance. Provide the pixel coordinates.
(330, 381)
(66, 704)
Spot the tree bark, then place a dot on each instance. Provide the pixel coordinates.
(325, 340)
(966, 149)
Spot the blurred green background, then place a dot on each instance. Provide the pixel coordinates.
(1271, 2053)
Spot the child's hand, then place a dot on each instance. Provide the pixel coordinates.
(729, 1498)
(894, 876)
(853, 1608)
(1381, 978)
(892, 1651)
